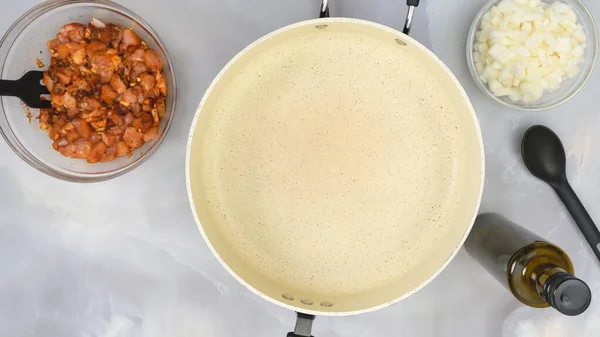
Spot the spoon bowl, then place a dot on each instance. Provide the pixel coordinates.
(544, 154)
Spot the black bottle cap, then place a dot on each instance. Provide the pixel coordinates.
(567, 294)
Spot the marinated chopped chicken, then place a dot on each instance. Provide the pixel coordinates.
(107, 90)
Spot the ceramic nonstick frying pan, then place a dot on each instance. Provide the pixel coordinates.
(335, 167)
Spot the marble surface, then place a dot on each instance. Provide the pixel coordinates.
(124, 257)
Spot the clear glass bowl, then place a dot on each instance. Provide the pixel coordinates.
(569, 88)
(25, 41)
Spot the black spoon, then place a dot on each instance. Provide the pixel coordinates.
(28, 88)
(544, 156)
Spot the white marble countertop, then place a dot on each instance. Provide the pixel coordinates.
(124, 257)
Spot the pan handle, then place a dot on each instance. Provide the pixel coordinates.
(412, 4)
(303, 326)
(324, 9)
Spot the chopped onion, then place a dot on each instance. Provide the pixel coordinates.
(525, 48)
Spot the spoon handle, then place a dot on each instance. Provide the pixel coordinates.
(581, 216)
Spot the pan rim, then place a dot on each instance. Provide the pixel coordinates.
(209, 91)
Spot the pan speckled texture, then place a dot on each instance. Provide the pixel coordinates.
(335, 166)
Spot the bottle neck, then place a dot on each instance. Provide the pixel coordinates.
(542, 276)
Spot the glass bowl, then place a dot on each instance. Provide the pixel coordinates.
(25, 41)
(569, 88)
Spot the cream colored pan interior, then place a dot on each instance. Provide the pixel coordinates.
(335, 166)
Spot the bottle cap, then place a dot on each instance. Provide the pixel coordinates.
(567, 294)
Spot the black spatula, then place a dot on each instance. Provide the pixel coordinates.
(28, 88)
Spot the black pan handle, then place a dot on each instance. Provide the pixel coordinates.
(303, 326)
(580, 215)
(324, 9)
(412, 4)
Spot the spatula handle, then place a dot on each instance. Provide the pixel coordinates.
(580, 215)
(8, 88)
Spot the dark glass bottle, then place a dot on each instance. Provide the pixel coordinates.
(538, 273)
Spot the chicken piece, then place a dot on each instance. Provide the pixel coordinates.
(59, 127)
(139, 92)
(68, 150)
(136, 109)
(104, 64)
(117, 130)
(74, 32)
(69, 101)
(48, 82)
(147, 81)
(83, 128)
(83, 149)
(60, 143)
(89, 103)
(72, 136)
(62, 52)
(129, 97)
(45, 120)
(122, 149)
(56, 100)
(143, 123)
(116, 118)
(109, 139)
(79, 57)
(108, 35)
(73, 48)
(152, 60)
(63, 76)
(160, 107)
(138, 55)
(109, 155)
(80, 149)
(95, 137)
(161, 83)
(116, 36)
(137, 70)
(108, 94)
(133, 138)
(96, 153)
(94, 47)
(53, 46)
(129, 118)
(130, 41)
(117, 84)
(52, 133)
(150, 134)
(68, 127)
(72, 112)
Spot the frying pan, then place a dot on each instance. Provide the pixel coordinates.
(335, 167)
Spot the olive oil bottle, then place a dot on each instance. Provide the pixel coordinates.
(538, 273)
